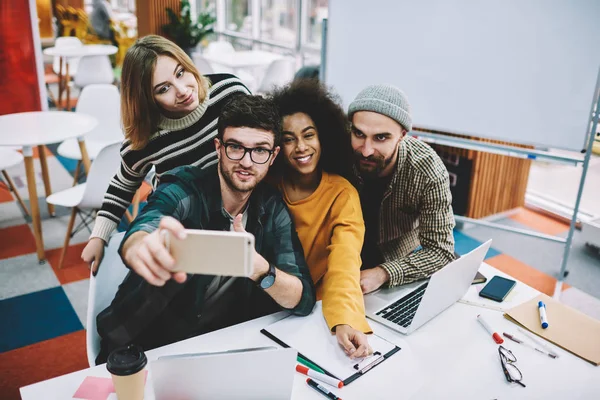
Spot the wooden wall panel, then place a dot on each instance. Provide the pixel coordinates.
(498, 183)
(44, 12)
(151, 15)
(18, 73)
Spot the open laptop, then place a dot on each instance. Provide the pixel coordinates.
(406, 308)
(265, 373)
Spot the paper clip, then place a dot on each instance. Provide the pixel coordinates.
(371, 362)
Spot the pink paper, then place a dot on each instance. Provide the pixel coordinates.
(95, 388)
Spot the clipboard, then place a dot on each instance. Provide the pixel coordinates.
(313, 340)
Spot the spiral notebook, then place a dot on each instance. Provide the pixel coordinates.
(313, 340)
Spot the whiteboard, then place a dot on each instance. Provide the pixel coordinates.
(523, 71)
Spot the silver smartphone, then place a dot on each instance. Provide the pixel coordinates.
(223, 253)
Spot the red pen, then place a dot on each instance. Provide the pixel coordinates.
(497, 338)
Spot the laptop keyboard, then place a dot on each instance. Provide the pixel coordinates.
(402, 311)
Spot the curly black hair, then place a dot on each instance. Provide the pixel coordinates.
(252, 112)
(312, 98)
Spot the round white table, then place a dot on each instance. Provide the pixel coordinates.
(38, 128)
(88, 50)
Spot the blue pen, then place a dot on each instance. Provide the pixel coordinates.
(543, 317)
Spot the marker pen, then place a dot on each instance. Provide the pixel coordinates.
(322, 389)
(497, 338)
(317, 375)
(543, 317)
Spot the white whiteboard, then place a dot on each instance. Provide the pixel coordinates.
(522, 71)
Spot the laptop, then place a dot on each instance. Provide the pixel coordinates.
(408, 307)
(265, 373)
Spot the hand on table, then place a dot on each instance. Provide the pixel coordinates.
(354, 342)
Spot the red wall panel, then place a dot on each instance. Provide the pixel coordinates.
(19, 89)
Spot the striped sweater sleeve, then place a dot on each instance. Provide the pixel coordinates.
(119, 195)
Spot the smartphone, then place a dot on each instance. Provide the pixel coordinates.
(497, 288)
(223, 253)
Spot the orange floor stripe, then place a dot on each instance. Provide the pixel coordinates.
(540, 222)
(74, 268)
(16, 241)
(524, 273)
(5, 194)
(41, 361)
(145, 191)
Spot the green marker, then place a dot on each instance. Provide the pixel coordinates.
(310, 365)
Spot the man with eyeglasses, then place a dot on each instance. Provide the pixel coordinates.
(154, 306)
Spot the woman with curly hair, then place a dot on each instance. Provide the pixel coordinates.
(311, 171)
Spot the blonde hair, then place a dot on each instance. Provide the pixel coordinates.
(139, 112)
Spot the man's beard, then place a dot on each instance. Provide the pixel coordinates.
(373, 172)
(233, 185)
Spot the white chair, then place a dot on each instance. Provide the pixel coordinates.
(103, 288)
(202, 64)
(65, 42)
(101, 101)
(10, 158)
(219, 47)
(280, 72)
(93, 69)
(88, 196)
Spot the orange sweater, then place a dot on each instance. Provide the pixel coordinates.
(330, 226)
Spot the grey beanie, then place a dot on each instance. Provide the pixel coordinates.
(383, 99)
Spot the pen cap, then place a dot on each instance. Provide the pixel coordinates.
(541, 304)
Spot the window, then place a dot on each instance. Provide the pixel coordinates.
(317, 11)
(238, 16)
(279, 21)
(201, 5)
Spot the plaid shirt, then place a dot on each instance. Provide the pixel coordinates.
(416, 210)
(152, 316)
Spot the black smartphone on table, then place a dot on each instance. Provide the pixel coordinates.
(497, 288)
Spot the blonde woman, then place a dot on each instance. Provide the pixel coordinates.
(169, 113)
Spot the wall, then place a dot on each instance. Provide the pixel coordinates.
(151, 15)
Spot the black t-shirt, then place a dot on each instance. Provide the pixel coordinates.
(371, 196)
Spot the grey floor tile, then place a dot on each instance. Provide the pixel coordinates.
(77, 293)
(55, 229)
(23, 275)
(12, 215)
(581, 301)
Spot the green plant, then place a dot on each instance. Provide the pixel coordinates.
(183, 31)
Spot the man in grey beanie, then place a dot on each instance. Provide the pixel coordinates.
(404, 191)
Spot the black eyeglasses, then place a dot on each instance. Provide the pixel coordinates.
(258, 155)
(511, 372)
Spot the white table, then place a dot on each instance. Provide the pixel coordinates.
(38, 128)
(74, 52)
(243, 59)
(451, 357)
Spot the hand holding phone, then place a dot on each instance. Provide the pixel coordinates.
(147, 255)
(497, 288)
(220, 253)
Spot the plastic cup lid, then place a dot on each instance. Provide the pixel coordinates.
(126, 360)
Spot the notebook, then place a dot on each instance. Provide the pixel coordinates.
(313, 340)
(569, 328)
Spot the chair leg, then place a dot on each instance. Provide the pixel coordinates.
(67, 237)
(76, 173)
(13, 188)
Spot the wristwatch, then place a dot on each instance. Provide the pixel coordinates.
(268, 279)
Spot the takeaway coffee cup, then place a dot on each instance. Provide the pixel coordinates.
(126, 365)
